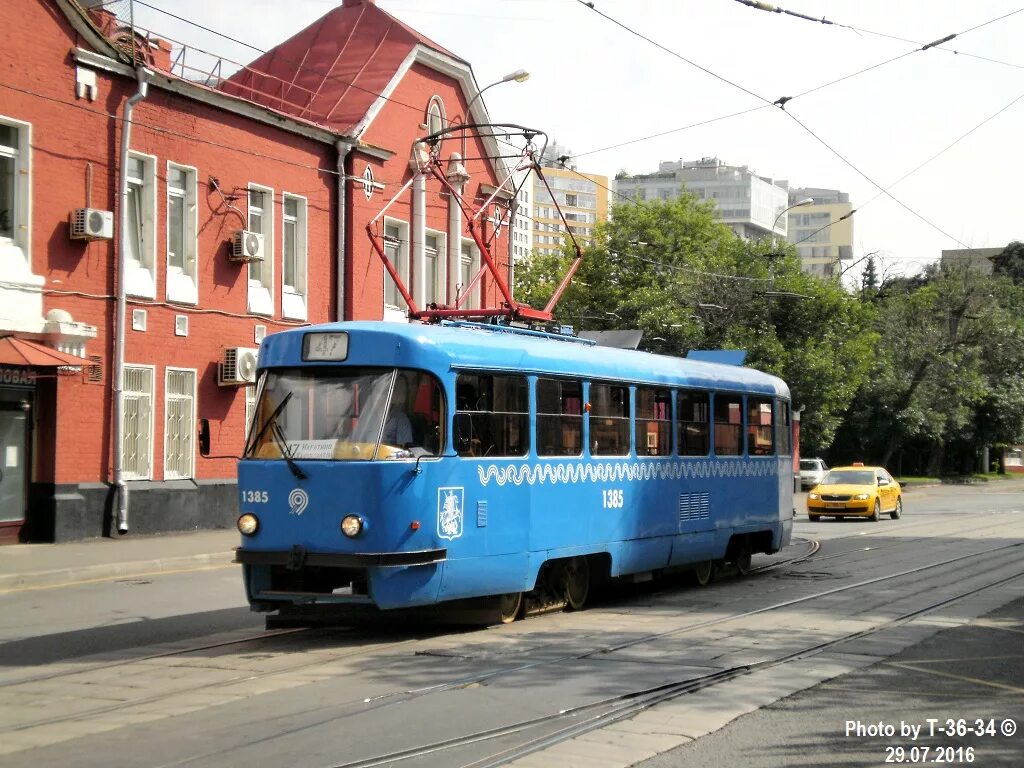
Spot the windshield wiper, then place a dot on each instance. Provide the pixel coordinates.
(255, 440)
(278, 434)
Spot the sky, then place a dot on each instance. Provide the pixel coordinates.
(595, 83)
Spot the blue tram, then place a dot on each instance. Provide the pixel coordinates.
(397, 465)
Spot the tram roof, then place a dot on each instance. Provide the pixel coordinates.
(484, 347)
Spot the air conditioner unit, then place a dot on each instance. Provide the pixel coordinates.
(238, 366)
(91, 224)
(246, 246)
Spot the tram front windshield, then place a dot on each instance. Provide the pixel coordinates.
(348, 414)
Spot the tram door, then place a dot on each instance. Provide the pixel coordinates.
(13, 467)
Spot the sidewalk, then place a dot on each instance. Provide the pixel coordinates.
(28, 566)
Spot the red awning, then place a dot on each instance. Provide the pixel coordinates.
(22, 352)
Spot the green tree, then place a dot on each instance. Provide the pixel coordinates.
(945, 373)
(1011, 262)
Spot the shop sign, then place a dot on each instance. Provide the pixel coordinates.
(24, 377)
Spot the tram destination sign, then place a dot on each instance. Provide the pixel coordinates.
(325, 346)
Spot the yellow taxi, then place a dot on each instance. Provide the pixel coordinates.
(856, 490)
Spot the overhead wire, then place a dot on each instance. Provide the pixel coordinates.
(918, 167)
(782, 102)
(777, 9)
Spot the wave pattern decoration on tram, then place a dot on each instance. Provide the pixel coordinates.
(606, 472)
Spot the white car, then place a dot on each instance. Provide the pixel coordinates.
(811, 472)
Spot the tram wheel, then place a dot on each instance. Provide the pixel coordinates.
(897, 513)
(742, 560)
(875, 512)
(510, 606)
(703, 572)
(575, 582)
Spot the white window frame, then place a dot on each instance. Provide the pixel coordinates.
(394, 311)
(260, 296)
(127, 394)
(294, 298)
(189, 430)
(250, 409)
(16, 251)
(435, 111)
(436, 292)
(474, 266)
(141, 273)
(183, 282)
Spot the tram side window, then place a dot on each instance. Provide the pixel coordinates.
(728, 425)
(760, 427)
(653, 421)
(609, 420)
(559, 417)
(693, 412)
(491, 415)
(784, 429)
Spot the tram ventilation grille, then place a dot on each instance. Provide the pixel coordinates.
(481, 514)
(694, 506)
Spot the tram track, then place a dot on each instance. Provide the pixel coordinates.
(629, 704)
(402, 696)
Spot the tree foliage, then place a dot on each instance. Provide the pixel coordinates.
(946, 378)
(673, 270)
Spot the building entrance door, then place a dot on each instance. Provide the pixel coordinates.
(14, 420)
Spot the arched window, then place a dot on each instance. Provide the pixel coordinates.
(435, 115)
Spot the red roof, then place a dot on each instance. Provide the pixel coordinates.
(333, 71)
(15, 351)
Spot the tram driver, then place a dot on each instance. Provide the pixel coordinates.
(397, 427)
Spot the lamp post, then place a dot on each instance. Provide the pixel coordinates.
(519, 76)
(776, 254)
(805, 201)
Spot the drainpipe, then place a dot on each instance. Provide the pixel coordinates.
(343, 147)
(122, 303)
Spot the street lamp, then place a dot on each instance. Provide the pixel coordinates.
(519, 76)
(805, 201)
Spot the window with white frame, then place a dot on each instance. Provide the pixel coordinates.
(137, 424)
(140, 239)
(469, 265)
(435, 115)
(293, 257)
(261, 273)
(182, 223)
(434, 269)
(179, 423)
(396, 248)
(250, 409)
(15, 197)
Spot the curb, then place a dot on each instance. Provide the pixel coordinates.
(108, 571)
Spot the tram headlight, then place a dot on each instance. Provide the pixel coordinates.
(862, 496)
(248, 524)
(351, 525)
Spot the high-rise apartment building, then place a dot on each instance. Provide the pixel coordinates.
(583, 198)
(823, 238)
(747, 202)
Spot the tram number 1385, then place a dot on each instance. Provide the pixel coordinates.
(612, 498)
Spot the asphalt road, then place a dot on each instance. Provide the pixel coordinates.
(130, 673)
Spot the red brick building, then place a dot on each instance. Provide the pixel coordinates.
(222, 213)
